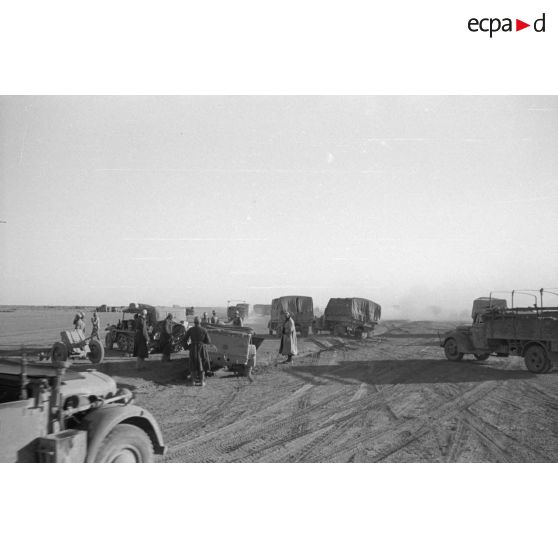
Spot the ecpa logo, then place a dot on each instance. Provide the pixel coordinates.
(492, 25)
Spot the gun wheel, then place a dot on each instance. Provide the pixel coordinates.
(59, 352)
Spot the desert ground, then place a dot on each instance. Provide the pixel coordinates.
(389, 398)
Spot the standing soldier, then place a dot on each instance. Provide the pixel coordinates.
(141, 351)
(96, 326)
(214, 318)
(205, 319)
(237, 320)
(288, 338)
(166, 338)
(79, 322)
(199, 359)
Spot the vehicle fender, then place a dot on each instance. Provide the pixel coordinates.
(100, 422)
(464, 341)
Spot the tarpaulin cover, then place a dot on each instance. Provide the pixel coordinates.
(360, 309)
(299, 306)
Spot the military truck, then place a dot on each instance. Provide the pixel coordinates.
(63, 416)
(123, 333)
(242, 308)
(349, 316)
(530, 332)
(301, 309)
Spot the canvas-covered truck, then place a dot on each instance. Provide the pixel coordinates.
(122, 334)
(349, 316)
(63, 416)
(530, 332)
(301, 309)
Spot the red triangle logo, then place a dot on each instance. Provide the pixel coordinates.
(519, 25)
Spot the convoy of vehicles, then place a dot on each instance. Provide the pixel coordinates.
(530, 332)
(301, 309)
(59, 415)
(123, 333)
(349, 316)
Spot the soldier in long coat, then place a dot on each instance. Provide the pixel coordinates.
(141, 340)
(288, 338)
(166, 338)
(199, 362)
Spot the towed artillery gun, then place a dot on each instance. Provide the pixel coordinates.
(123, 333)
(301, 309)
(74, 344)
(349, 316)
(62, 416)
(530, 332)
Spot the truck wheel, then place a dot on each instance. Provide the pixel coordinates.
(338, 331)
(481, 356)
(125, 443)
(97, 351)
(452, 350)
(304, 331)
(108, 341)
(59, 352)
(536, 360)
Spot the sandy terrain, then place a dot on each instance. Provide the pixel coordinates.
(390, 398)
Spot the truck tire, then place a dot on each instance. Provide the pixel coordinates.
(536, 360)
(338, 331)
(481, 356)
(108, 341)
(59, 352)
(360, 333)
(304, 331)
(451, 350)
(125, 443)
(96, 351)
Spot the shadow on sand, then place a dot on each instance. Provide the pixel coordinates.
(405, 372)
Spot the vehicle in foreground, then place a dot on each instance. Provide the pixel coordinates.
(63, 416)
(123, 333)
(349, 316)
(530, 332)
(301, 309)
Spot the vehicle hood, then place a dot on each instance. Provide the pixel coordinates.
(90, 382)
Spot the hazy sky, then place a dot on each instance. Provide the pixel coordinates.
(409, 201)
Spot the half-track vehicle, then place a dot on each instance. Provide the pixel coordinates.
(74, 344)
(530, 332)
(64, 416)
(123, 333)
(349, 316)
(301, 309)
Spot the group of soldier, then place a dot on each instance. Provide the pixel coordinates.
(197, 339)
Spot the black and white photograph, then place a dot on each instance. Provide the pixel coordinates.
(279, 279)
(295, 260)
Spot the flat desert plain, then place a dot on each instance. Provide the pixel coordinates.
(390, 398)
